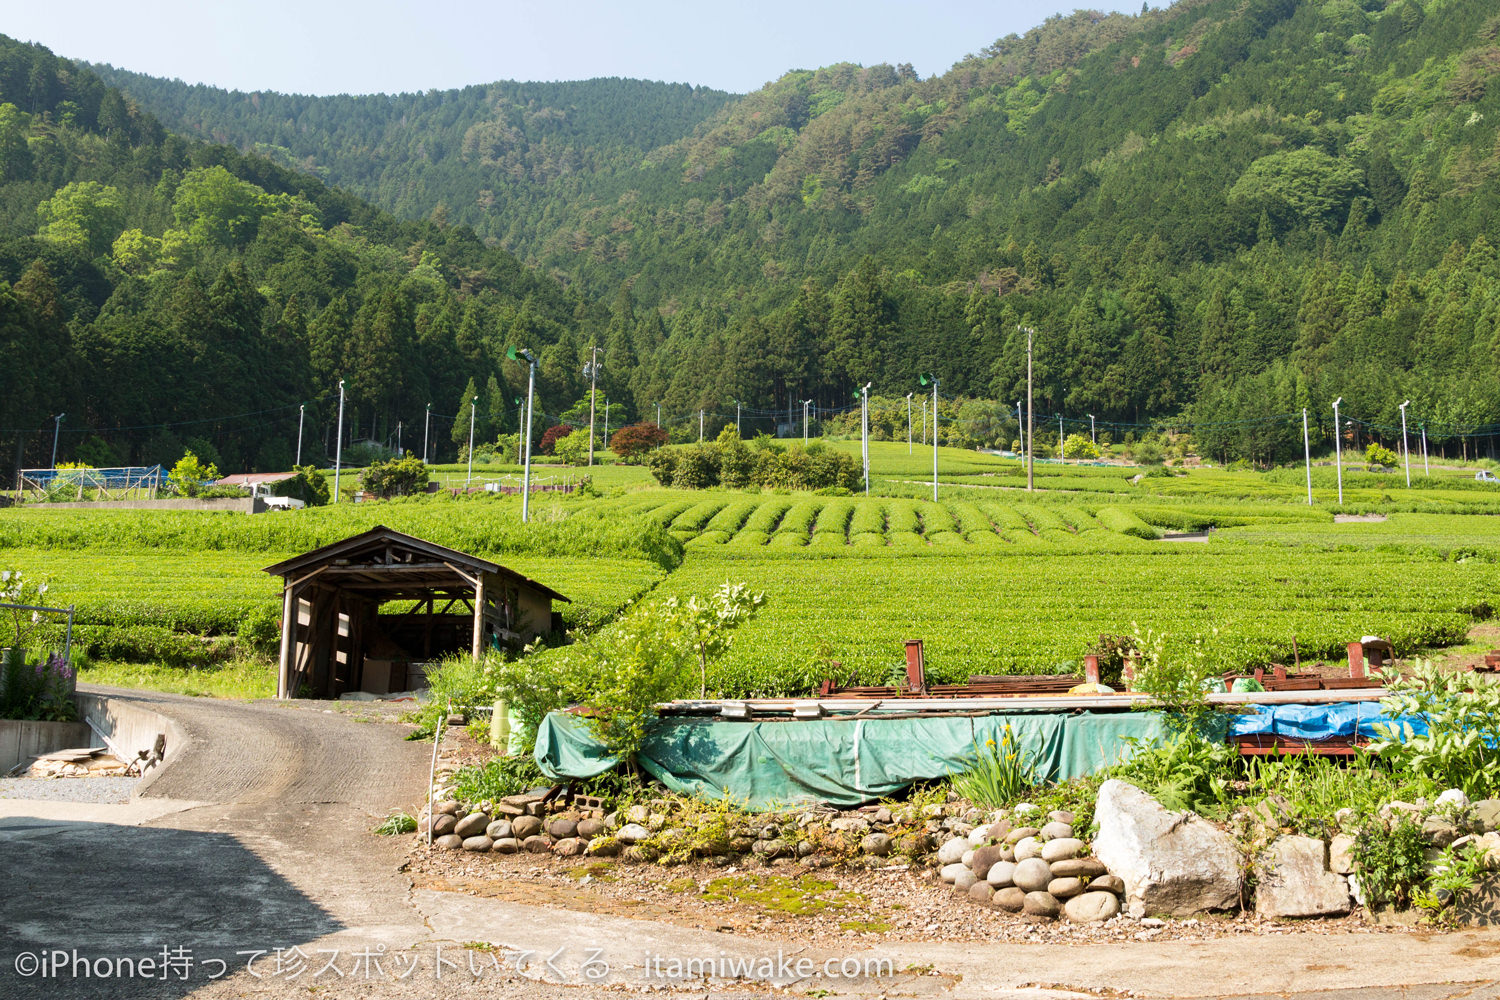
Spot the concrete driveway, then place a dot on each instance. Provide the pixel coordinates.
(246, 868)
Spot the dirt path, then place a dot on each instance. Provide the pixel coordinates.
(256, 838)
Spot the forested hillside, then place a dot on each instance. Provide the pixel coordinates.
(164, 293)
(1212, 212)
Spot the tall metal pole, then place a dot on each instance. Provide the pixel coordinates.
(1307, 455)
(1425, 470)
(700, 425)
(1404, 447)
(57, 430)
(1093, 438)
(737, 419)
(934, 438)
(606, 423)
(1030, 417)
(658, 415)
(530, 410)
(520, 419)
(338, 445)
(805, 404)
(593, 369)
(399, 452)
(908, 422)
(301, 416)
(924, 421)
(473, 408)
(864, 431)
(1021, 427)
(1338, 448)
(1059, 436)
(426, 435)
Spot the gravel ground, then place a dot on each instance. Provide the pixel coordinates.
(860, 905)
(96, 791)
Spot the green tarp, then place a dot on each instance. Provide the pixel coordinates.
(841, 761)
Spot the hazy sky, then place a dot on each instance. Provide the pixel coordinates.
(372, 46)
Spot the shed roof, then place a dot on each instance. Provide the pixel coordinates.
(392, 562)
(253, 478)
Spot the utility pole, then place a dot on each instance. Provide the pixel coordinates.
(426, 432)
(700, 425)
(301, 416)
(864, 431)
(1307, 455)
(606, 421)
(592, 371)
(1404, 447)
(908, 422)
(1425, 470)
(805, 404)
(473, 408)
(57, 430)
(516, 354)
(934, 380)
(658, 416)
(520, 419)
(399, 452)
(1059, 436)
(737, 419)
(1030, 415)
(1338, 448)
(338, 445)
(1021, 427)
(924, 421)
(1093, 438)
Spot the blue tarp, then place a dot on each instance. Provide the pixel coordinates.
(1318, 722)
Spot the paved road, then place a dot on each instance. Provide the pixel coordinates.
(256, 837)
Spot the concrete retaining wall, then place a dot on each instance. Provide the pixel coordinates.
(131, 727)
(249, 505)
(22, 741)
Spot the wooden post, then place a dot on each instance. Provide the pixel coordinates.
(288, 640)
(1091, 669)
(1356, 659)
(478, 616)
(916, 667)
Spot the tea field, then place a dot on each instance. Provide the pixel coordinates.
(993, 580)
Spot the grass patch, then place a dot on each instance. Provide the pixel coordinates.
(779, 894)
(243, 680)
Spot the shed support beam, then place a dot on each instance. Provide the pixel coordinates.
(288, 639)
(478, 616)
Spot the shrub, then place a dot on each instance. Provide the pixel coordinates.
(36, 687)
(635, 440)
(550, 438)
(663, 466)
(260, 630)
(398, 477)
(1380, 457)
(1390, 861)
(309, 485)
(1080, 447)
(1188, 770)
(190, 476)
(697, 468)
(573, 449)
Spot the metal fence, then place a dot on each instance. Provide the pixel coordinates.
(124, 483)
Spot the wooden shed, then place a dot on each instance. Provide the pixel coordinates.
(367, 613)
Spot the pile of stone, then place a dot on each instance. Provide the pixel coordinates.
(1043, 871)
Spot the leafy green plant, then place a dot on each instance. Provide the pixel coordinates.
(497, 778)
(1462, 711)
(1454, 876)
(1390, 861)
(397, 823)
(1378, 456)
(1187, 770)
(1177, 673)
(998, 772)
(190, 476)
(396, 477)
